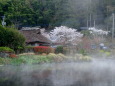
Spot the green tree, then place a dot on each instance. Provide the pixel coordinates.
(51, 13)
(10, 37)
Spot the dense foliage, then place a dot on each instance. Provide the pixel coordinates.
(6, 49)
(33, 59)
(42, 49)
(10, 37)
(51, 13)
(59, 49)
(37, 59)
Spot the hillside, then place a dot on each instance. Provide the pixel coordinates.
(51, 13)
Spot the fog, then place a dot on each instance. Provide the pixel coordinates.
(98, 72)
(84, 13)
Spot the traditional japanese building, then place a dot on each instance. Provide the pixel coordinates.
(34, 37)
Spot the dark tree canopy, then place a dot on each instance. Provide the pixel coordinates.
(51, 13)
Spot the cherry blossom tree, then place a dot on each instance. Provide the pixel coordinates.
(98, 31)
(44, 33)
(98, 34)
(65, 35)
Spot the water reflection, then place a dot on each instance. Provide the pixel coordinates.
(95, 73)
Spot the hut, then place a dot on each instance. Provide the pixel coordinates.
(34, 37)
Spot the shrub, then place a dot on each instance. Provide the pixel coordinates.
(65, 50)
(59, 49)
(107, 53)
(44, 54)
(52, 55)
(42, 49)
(5, 61)
(82, 58)
(29, 47)
(85, 58)
(6, 49)
(83, 52)
(56, 57)
(12, 56)
(61, 55)
(10, 37)
(52, 50)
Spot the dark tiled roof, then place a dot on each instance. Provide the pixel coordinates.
(34, 36)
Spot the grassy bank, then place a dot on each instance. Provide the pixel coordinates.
(32, 59)
(37, 59)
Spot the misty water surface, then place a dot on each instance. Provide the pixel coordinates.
(95, 73)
